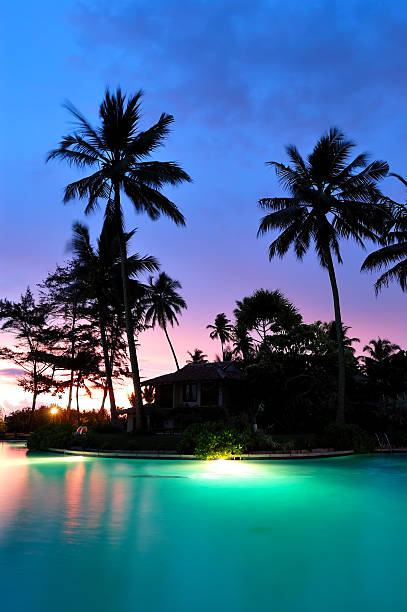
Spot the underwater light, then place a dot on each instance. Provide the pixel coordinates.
(225, 467)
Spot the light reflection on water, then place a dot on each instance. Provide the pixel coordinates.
(172, 535)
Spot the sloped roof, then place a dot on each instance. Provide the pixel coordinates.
(195, 372)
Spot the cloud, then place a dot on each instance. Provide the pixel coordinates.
(11, 372)
(240, 65)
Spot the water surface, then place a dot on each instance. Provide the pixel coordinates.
(89, 534)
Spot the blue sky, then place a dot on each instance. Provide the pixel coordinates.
(243, 79)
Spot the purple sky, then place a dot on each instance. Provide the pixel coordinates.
(243, 79)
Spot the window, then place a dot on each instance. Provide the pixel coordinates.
(190, 392)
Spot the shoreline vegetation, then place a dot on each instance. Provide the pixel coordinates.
(210, 440)
(80, 330)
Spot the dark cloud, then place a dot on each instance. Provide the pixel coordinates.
(285, 65)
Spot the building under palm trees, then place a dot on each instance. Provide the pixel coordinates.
(198, 390)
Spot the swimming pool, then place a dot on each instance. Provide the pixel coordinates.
(121, 535)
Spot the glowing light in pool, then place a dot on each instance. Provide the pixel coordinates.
(224, 468)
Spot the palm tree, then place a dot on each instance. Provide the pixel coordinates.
(100, 270)
(379, 350)
(117, 152)
(330, 330)
(197, 356)
(227, 355)
(243, 343)
(331, 198)
(163, 305)
(221, 329)
(394, 252)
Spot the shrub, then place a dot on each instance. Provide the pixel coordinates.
(349, 437)
(213, 440)
(53, 435)
(260, 441)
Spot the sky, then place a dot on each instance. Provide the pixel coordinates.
(242, 79)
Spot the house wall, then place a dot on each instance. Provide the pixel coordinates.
(178, 390)
(178, 401)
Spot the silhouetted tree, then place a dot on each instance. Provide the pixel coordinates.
(380, 349)
(35, 339)
(163, 304)
(197, 356)
(66, 297)
(331, 198)
(266, 312)
(393, 255)
(222, 329)
(117, 152)
(99, 269)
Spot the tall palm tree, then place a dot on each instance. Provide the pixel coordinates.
(197, 356)
(379, 350)
(331, 198)
(164, 304)
(221, 329)
(117, 152)
(395, 250)
(100, 269)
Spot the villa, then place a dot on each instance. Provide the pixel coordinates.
(195, 390)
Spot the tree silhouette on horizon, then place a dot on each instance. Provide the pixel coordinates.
(117, 152)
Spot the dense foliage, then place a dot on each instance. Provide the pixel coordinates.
(52, 435)
(213, 440)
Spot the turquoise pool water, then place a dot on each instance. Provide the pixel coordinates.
(123, 535)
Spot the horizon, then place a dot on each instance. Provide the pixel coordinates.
(258, 89)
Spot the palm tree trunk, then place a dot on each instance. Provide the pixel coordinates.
(35, 394)
(68, 408)
(77, 398)
(108, 369)
(138, 403)
(171, 347)
(340, 414)
(102, 407)
(221, 348)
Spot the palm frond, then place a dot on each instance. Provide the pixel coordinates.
(278, 203)
(287, 177)
(119, 120)
(136, 264)
(145, 142)
(158, 174)
(399, 177)
(281, 219)
(397, 273)
(385, 256)
(87, 131)
(92, 187)
(151, 201)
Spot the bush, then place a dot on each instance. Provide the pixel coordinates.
(53, 435)
(213, 440)
(349, 437)
(260, 441)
